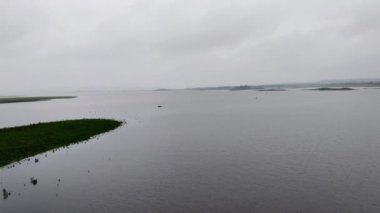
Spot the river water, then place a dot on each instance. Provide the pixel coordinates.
(205, 151)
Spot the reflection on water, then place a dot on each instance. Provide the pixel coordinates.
(220, 151)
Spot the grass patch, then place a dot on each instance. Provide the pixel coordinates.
(17, 143)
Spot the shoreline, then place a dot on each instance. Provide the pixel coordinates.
(6, 100)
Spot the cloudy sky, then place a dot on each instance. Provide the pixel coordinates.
(82, 44)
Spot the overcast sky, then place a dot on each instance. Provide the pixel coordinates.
(81, 44)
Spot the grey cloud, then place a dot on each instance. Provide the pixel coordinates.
(153, 43)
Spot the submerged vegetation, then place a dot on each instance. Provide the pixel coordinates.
(17, 143)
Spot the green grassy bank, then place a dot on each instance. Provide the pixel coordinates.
(17, 143)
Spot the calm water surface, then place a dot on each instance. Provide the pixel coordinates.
(294, 151)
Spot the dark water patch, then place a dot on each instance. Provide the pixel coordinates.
(33, 181)
(6, 194)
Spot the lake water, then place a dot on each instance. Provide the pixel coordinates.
(206, 151)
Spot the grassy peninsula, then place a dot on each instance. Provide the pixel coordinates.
(17, 143)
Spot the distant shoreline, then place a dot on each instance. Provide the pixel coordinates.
(374, 83)
(332, 89)
(6, 100)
